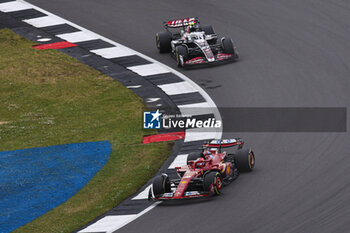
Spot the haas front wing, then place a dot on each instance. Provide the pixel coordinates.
(220, 57)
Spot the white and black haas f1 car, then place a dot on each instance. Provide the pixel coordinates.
(194, 44)
(205, 173)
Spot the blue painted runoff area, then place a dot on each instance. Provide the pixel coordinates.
(34, 181)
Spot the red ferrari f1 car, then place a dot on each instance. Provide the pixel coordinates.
(206, 172)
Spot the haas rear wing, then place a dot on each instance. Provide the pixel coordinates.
(224, 143)
(180, 22)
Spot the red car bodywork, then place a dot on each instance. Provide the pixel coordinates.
(212, 160)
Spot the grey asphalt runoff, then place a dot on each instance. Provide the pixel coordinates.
(293, 54)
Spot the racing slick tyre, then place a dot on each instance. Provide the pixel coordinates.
(244, 160)
(181, 55)
(160, 185)
(212, 183)
(193, 156)
(227, 46)
(208, 29)
(163, 40)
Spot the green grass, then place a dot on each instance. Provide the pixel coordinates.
(48, 98)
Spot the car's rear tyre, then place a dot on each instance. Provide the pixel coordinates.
(227, 46)
(244, 160)
(161, 185)
(163, 41)
(193, 156)
(208, 29)
(212, 183)
(181, 54)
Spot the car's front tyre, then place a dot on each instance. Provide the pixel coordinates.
(181, 54)
(208, 29)
(212, 182)
(227, 46)
(161, 185)
(163, 42)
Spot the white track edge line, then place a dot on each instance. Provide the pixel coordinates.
(136, 216)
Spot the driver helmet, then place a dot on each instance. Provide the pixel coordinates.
(200, 163)
(192, 27)
(208, 154)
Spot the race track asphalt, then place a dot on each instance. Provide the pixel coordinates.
(293, 54)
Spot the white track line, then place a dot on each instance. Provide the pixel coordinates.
(151, 100)
(109, 223)
(134, 87)
(44, 21)
(14, 6)
(113, 52)
(75, 37)
(143, 194)
(112, 223)
(149, 69)
(198, 134)
(196, 109)
(179, 161)
(177, 88)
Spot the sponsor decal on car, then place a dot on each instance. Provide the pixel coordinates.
(192, 193)
(180, 22)
(168, 194)
(196, 60)
(222, 56)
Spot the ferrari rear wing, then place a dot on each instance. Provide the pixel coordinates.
(224, 143)
(180, 22)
